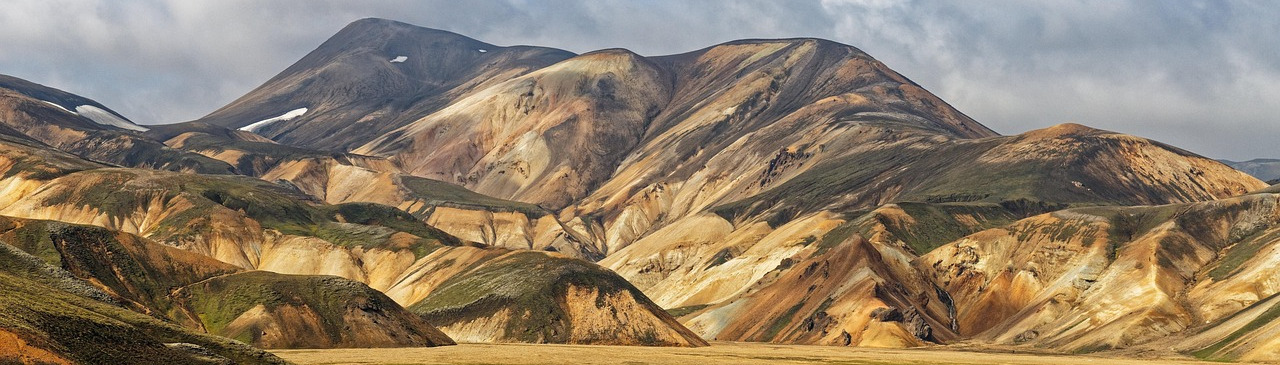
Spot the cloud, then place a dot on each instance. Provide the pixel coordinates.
(1200, 75)
(1197, 75)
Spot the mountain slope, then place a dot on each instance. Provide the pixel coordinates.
(49, 316)
(353, 92)
(1194, 277)
(344, 177)
(253, 224)
(745, 91)
(177, 286)
(1066, 164)
(97, 115)
(743, 260)
(295, 311)
(90, 131)
(529, 110)
(542, 135)
(553, 302)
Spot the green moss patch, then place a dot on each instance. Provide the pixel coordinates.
(530, 284)
(93, 332)
(439, 193)
(1215, 351)
(686, 310)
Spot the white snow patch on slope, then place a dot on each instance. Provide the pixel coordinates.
(483, 50)
(263, 123)
(103, 117)
(58, 106)
(399, 59)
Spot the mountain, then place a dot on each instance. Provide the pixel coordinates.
(371, 77)
(683, 134)
(1261, 168)
(88, 113)
(244, 223)
(90, 130)
(716, 181)
(1067, 164)
(514, 100)
(338, 178)
(399, 180)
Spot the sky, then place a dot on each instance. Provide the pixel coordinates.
(1201, 75)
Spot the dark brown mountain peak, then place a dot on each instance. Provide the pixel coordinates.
(371, 77)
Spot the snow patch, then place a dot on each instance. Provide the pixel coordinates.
(103, 117)
(399, 59)
(59, 106)
(483, 50)
(263, 123)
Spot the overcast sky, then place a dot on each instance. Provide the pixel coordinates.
(1204, 76)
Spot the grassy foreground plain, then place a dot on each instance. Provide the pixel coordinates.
(716, 354)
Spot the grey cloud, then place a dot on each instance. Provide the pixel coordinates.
(1200, 75)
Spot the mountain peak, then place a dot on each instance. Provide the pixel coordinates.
(380, 26)
(1065, 130)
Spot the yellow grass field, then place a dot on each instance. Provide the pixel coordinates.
(717, 354)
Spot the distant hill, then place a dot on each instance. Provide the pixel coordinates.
(1263, 168)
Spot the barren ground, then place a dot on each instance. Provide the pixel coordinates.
(718, 353)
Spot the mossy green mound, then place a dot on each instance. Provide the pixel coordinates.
(344, 313)
(532, 285)
(77, 328)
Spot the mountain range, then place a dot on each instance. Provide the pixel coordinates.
(404, 186)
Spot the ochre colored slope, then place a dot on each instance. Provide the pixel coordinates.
(1097, 278)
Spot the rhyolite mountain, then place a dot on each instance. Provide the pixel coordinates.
(342, 275)
(505, 122)
(717, 180)
(791, 190)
